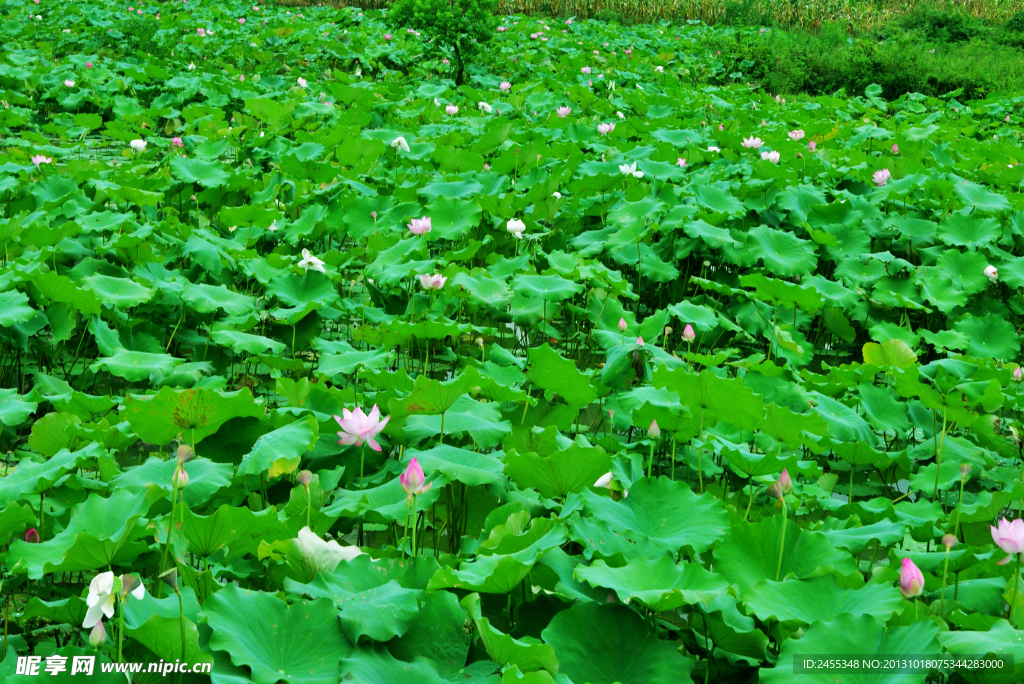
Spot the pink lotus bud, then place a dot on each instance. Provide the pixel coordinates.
(98, 635)
(387, 36)
(639, 341)
(911, 579)
(688, 333)
(88, 65)
(654, 432)
(487, 167)
(1017, 374)
(180, 478)
(373, 215)
(785, 482)
(811, 146)
(412, 480)
(622, 325)
(949, 541)
(32, 535)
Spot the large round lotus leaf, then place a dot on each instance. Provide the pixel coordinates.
(863, 636)
(609, 644)
(989, 337)
(463, 465)
(549, 370)
(1001, 640)
(440, 631)
(378, 613)
(205, 477)
(195, 414)
(120, 292)
(377, 666)
(751, 553)
(658, 584)
(662, 512)
(301, 643)
(503, 649)
(560, 472)
(14, 308)
(135, 366)
(821, 600)
(711, 398)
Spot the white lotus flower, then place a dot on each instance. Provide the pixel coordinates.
(68, 83)
(484, 107)
(319, 556)
(311, 262)
(516, 227)
(630, 170)
(773, 157)
(606, 482)
(138, 145)
(302, 82)
(101, 597)
(992, 273)
(400, 144)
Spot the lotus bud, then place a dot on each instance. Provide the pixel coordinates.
(185, 453)
(949, 541)
(180, 478)
(611, 415)
(639, 341)
(654, 431)
(1017, 374)
(965, 470)
(895, 148)
(688, 333)
(32, 535)
(98, 635)
(911, 579)
(412, 480)
(479, 342)
(785, 482)
(304, 477)
(622, 325)
(170, 578)
(668, 331)
(373, 215)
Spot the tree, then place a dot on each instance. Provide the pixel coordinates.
(456, 28)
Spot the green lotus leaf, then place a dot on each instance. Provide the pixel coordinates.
(301, 643)
(605, 644)
(378, 666)
(503, 649)
(457, 464)
(559, 472)
(1001, 640)
(438, 632)
(664, 513)
(280, 450)
(195, 414)
(135, 366)
(861, 635)
(658, 584)
(548, 370)
(820, 600)
(751, 553)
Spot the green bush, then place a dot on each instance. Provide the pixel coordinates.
(457, 28)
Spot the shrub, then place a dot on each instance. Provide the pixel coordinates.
(457, 28)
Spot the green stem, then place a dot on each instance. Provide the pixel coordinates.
(700, 453)
(750, 498)
(181, 621)
(782, 544)
(1016, 579)
(942, 597)
(120, 629)
(167, 541)
(938, 455)
(673, 457)
(408, 510)
(650, 459)
(414, 525)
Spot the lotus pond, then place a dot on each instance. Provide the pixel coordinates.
(319, 368)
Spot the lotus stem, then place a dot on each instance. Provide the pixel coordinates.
(1016, 579)
(782, 543)
(938, 454)
(415, 524)
(120, 627)
(945, 571)
(181, 621)
(650, 459)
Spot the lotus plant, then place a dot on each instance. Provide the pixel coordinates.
(432, 282)
(992, 273)
(773, 157)
(563, 112)
(753, 142)
(911, 581)
(414, 483)
(400, 143)
(311, 262)
(358, 427)
(516, 227)
(605, 128)
(630, 170)
(106, 591)
(881, 177)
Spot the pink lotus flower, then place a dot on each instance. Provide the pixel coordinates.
(432, 282)
(40, 159)
(413, 480)
(88, 65)
(753, 142)
(201, 32)
(505, 86)
(881, 177)
(563, 112)
(605, 128)
(241, 20)
(911, 579)
(688, 333)
(622, 325)
(1009, 536)
(680, 162)
(585, 71)
(241, 77)
(302, 82)
(895, 148)
(796, 135)
(177, 142)
(811, 146)
(357, 427)
(1018, 374)
(32, 535)
(773, 157)
(451, 110)
(419, 226)
(387, 36)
